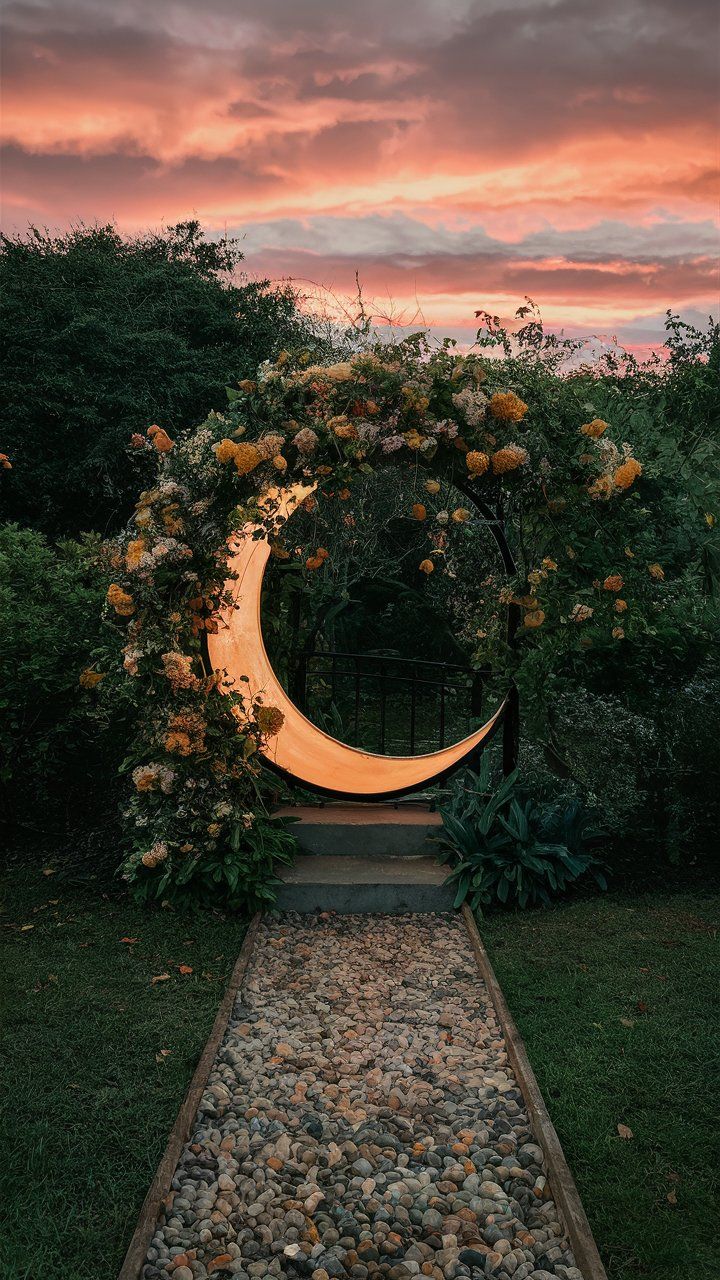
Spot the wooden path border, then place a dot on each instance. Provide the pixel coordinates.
(136, 1255)
(565, 1193)
(562, 1184)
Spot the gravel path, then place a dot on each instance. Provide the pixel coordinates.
(361, 1120)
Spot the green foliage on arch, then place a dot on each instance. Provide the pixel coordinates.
(512, 431)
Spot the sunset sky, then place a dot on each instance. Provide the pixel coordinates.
(457, 154)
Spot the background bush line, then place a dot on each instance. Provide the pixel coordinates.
(105, 334)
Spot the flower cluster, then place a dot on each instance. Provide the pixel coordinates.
(198, 807)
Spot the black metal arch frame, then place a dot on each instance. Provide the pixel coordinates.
(509, 717)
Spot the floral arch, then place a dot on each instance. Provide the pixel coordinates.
(198, 811)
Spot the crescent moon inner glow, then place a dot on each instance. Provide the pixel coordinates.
(301, 749)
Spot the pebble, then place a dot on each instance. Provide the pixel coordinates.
(361, 1121)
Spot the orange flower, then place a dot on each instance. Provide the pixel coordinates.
(161, 440)
(594, 429)
(270, 720)
(178, 669)
(279, 463)
(507, 407)
(426, 566)
(419, 511)
(613, 583)
(247, 458)
(657, 572)
(5, 462)
(509, 459)
(343, 495)
(620, 606)
(89, 679)
(121, 602)
(225, 450)
(314, 562)
(627, 473)
(460, 515)
(618, 633)
(477, 463)
(135, 551)
(247, 385)
(432, 486)
(534, 618)
(186, 733)
(601, 488)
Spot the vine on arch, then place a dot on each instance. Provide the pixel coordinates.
(197, 816)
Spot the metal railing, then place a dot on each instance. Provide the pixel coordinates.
(383, 703)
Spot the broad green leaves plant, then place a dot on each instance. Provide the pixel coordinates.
(509, 849)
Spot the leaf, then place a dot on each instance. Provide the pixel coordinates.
(184, 968)
(671, 1197)
(160, 977)
(625, 1132)
(48, 871)
(627, 1022)
(642, 1007)
(162, 1054)
(25, 927)
(129, 941)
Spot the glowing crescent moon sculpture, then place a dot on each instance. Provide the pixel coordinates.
(301, 750)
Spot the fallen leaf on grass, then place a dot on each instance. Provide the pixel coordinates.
(160, 977)
(184, 968)
(673, 1175)
(162, 1054)
(52, 977)
(625, 1132)
(671, 1197)
(48, 871)
(627, 1022)
(25, 927)
(642, 1007)
(129, 940)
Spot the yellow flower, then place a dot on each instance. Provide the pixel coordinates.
(477, 463)
(89, 679)
(548, 563)
(620, 606)
(509, 459)
(613, 583)
(426, 566)
(432, 486)
(630, 554)
(419, 511)
(460, 515)
(656, 571)
(121, 602)
(534, 618)
(594, 429)
(247, 458)
(618, 633)
(601, 488)
(225, 450)
(627, 473)
(413, 439)
(710, 519)
(507, 407)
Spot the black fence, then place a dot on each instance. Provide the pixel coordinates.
(390, 705)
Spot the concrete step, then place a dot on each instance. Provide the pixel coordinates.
(365, 830)
(358, 885)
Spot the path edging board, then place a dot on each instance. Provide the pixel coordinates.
(562, 1183)
(159, 1188)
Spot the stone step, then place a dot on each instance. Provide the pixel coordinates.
(365, 830)
(318, 882)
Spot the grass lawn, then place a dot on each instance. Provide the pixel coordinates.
(88, 1093)
(617, 999)
(615, 996)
